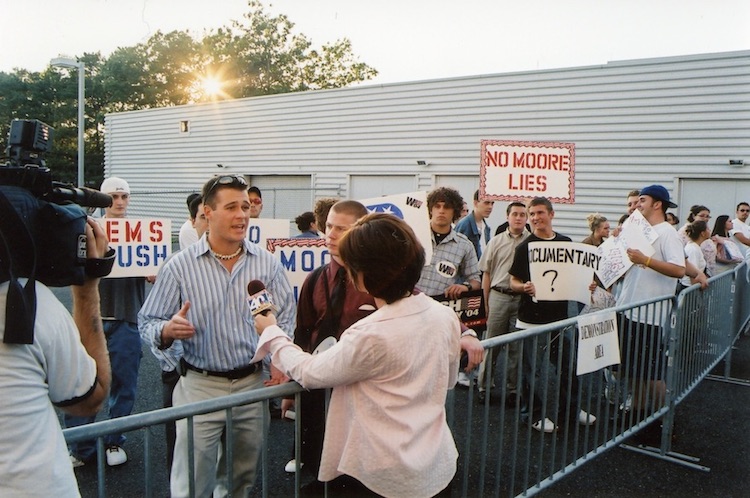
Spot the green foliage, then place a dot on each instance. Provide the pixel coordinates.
(258, 55)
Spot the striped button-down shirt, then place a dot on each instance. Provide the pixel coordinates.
(225, 337)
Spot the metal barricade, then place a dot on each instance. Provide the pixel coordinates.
(667, 346)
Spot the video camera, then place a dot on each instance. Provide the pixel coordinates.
(42, 228)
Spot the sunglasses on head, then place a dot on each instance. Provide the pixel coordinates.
(233, 180)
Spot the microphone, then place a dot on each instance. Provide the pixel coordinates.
(259, 299)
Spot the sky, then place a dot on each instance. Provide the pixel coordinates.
(405, 40)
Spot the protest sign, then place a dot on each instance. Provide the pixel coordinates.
(410, 207)
(261, 229)
(562, 271)
(512, 170)
(636, 223)
(598, 343)
(614, 261)
(469, 307)
(299, 257)
(141, 245)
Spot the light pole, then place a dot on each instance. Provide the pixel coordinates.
(73, 63)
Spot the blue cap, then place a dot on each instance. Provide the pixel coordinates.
(658, 193)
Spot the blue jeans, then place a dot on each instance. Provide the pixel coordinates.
(124, 346)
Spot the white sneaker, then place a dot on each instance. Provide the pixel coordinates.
(547, 426)
(463, 380)
(75, 462)
(116, 456)
(291, 466)
(586, 418)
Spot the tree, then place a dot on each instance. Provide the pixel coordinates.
(258, 55)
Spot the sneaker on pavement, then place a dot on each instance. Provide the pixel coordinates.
(586, 418)
(116, 456)
(76, 462)
(545, 425)
(463, 380)
(291, 466)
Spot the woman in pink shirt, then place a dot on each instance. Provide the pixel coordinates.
(386, 431)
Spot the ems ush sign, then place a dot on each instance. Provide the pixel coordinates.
(141, 245)
(513, 171)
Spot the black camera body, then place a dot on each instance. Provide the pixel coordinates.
(48, 212)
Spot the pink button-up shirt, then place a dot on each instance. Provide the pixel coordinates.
(390, 372)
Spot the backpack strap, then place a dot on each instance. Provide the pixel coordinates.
(20, 306)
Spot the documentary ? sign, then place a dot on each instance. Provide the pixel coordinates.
(512, 170)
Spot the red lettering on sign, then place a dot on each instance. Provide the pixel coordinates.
(157, 234)
(536, 183)
(497, 158)
(132, 232)
(113, 231)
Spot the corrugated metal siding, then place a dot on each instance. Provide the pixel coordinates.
(633, 123)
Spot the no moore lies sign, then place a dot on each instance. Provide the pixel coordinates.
(512, 170)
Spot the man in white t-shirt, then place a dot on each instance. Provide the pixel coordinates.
(740, 233)
(66, 366)
(188, 234)
(651, 277)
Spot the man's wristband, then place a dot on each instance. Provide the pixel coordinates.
(467, 284)
(469, 332)
(100, 267)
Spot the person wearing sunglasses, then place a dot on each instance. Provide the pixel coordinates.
(256, 201)
(740, 233)
(200, 302)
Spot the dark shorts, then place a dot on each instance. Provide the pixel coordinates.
(642, 349)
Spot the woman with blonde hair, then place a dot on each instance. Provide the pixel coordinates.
(599, 227)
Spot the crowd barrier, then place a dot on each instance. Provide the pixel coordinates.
(501, 454)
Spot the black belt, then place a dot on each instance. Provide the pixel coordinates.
(238, 373)
(505, 290)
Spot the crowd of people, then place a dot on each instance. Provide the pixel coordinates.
(359, 326)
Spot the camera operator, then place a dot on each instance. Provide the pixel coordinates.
(67, 366)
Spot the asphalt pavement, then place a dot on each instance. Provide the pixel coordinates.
(712, 424)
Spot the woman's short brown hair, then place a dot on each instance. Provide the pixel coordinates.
(384, 250)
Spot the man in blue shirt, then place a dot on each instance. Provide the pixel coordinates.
(474, 225)
(200, 299)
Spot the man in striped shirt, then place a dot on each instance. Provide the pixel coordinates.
(200, 299)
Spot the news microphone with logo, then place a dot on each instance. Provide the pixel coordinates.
(259, 299)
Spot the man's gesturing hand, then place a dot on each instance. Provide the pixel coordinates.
(179, 327)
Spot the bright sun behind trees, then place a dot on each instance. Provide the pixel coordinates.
(257, 55)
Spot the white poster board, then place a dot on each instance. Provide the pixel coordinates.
(562, 271)
(141, 245)
(598, 344)
(299, 257)
(636, 233)
(410, 207)
(512, 170)
(259, 230)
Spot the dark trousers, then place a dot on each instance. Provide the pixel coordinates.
(169, 380)
(541, 362)
(312, 419)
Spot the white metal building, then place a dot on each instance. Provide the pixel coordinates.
(677, 121)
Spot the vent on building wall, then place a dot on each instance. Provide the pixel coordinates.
(185, 126)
